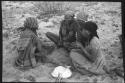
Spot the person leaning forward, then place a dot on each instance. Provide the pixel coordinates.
(89, 59)
(29, 45)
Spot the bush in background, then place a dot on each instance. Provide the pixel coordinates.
(49, 9)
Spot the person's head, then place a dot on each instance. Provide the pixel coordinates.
(68, 18)
(89, 31)
(92, 28)
(31, 23)
(69, 15)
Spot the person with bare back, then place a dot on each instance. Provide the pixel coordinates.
(29, 46)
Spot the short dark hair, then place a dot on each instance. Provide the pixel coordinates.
(91, 26)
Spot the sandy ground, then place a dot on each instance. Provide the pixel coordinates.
(106, 15)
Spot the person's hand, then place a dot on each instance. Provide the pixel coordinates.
(79, 45)
(66, 44)
(73, 44)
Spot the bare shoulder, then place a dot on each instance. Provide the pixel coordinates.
(95, 42)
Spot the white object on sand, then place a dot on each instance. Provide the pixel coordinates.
(63, 72)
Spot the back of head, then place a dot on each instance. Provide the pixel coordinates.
(68, 19)
(69, 15)
(31, 23)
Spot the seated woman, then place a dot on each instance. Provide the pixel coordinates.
(29, 46)
(89, 57)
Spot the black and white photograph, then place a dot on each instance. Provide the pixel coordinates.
(62, 41)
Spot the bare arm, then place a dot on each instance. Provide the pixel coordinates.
(86, 54)
(38, 44)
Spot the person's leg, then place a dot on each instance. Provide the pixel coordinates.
(78, 57)
(81, 64)
(53, 37)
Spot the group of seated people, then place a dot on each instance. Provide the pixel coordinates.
(78, 37)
